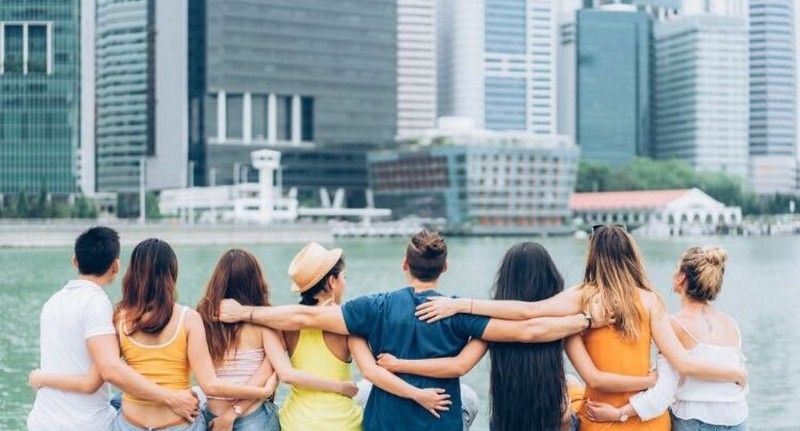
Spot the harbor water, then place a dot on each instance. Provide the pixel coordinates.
(762, 290)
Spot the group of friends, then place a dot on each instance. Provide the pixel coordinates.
(411, 345)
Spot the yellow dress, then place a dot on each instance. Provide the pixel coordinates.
(612, 354)
(309, 409)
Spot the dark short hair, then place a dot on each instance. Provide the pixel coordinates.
(426, 255)
(96, 250)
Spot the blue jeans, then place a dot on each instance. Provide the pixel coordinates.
(265, 418)
(120, 424)
(679, 424)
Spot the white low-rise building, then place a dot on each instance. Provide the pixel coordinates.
(656, 212)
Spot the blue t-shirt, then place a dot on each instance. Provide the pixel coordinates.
(388, 323)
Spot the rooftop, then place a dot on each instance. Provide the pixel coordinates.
(626, 199)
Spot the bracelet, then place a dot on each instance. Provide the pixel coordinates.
(471, 301)
(588, 318)
(252, 310)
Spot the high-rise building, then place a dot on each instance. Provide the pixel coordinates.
(288, 73)
(701, 92)
(773, 98)
(416, 66)
(40, 96)
(141, 97)
(497, 63)
(613, 116)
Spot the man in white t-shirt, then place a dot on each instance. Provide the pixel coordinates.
(77, 333)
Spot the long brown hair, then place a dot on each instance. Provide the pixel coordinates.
(238, 276)
(148, 287)
(614, 272)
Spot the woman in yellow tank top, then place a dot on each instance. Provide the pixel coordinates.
(318, 275)
(615, 360)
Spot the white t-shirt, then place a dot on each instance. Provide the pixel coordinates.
(73, 314)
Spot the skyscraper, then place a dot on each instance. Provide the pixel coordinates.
(773, 104)
(416, 66)
(288, 73)
(497, 63)
(613, 117)
(141, 97)
(701, 92)
(40, 98)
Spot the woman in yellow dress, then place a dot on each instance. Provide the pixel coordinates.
(318, 275)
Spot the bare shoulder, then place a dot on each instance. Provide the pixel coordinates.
(192, 319)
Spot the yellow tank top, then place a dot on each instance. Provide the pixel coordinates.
(309, 409)
(611, 353)
(165, 364)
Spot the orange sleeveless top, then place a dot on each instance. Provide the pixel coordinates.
(166, 364)
(611, 353)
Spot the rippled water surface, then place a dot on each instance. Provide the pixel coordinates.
(762, 290)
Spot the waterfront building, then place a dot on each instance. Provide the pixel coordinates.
(613, 117)
(40, 97)
(141, 98)
(701, 92)
(416, 66)
(278, 73)
(497, 63)
(481, 181)
(773, 98)
(669, 212)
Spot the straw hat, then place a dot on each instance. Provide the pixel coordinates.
(311, 264)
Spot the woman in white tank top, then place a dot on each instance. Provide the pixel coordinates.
(708, 334)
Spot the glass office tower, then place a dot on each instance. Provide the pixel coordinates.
(613, 118)
(39, 96)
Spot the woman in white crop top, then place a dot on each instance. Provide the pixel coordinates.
(708, 334)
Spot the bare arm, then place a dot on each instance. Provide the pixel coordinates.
(536, 330)
(443, 368)
(264, 376)
(676, 354)
(439, 307)
(434, 400)
(276, 351)
(87, 383)
(286, 317)
(601, 380)
(104, 351)
(203, 367)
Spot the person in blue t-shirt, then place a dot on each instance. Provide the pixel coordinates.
(388, 323)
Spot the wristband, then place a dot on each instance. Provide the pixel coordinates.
(588, 318)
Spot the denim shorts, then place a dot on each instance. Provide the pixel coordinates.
(265, 418)
(679, 424)
(120, 424)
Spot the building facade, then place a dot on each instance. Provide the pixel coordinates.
(40, 96)
(416, 66)
(286, 73)
(480, 181)
(497, 63)
(613, 117)
(773, 104)
(701, 92)
(141, 98)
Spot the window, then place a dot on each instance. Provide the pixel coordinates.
(307, 118)
(260, 116)
(233, 115)
(13, 48)
(37, 49)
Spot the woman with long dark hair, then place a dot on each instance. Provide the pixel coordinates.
(528, 387)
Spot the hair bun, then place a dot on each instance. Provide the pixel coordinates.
(715, 255)
(429, 244)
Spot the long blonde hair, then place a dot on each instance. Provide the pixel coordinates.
(614, 272)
